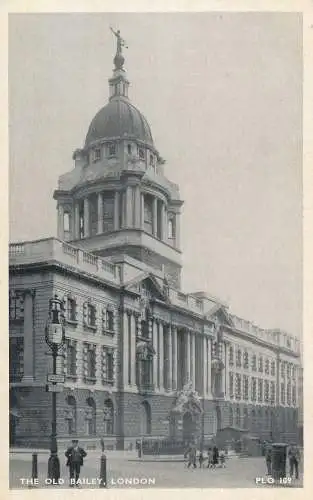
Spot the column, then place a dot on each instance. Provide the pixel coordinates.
(170, 358)
(226, 371)
(177, 230)
(161, 355)
(156, 356)
(86, 217)
(61, 222)
(155, 216)
(174, 354)
(125, 349)
(209, 353)
(137, 222)
(205, 366)
(100, 214)
(193, 359)
(28, 337)
(162, 221)
(133, 349)
(187, 347)
(76, 221)
(142, 200)
(129, 207)
(116, 210)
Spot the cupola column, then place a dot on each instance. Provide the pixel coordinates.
(163, 222)
(100, 213)
(86, 218)
(177, 230)
(76, 221)
(137, 207)
(116, 210)
(155, 216)
(129, 207)
(61, 222)
(142, 211)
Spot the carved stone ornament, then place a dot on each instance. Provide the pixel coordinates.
(188, 400)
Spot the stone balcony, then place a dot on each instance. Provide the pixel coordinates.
(54, 250)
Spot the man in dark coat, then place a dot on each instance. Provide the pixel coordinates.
(75, 460)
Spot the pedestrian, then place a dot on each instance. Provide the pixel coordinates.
(75, 460)
(294, 459)
(268, 458)
(201, 459)
(192, 456)
(210, 458)
(222, 458)
(215, 457)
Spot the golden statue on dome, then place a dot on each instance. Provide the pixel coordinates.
(120, 41)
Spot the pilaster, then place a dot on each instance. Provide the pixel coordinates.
(170, 358)
(133, 349)
(76, 221)
(28, 336)
(161, 355)
(156, 356)
(60, 222)
(187, 350)
(100, 214)
(86, 218)
(155, 216)
(174, 353)
(193, 359)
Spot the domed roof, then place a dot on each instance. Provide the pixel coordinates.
(119, 118)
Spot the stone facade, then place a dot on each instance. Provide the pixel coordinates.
(133, 338)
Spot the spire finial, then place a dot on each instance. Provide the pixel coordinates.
(120, 42)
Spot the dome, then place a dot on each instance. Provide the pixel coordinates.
(119, 118)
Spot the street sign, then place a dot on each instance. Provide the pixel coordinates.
(56, 378)
(54, 388)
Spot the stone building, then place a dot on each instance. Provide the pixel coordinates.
(133, 338)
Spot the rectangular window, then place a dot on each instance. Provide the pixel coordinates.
(272, 393)
(111, 149)
(107, 365)
(288, 370)
(266, 391)
(71, 358)
(273, 368)
(246, 360)
(71, 310)
(282, 393)
(294, 395)
(238, 358)
(96, 154)
(141, 153)
(151, 160)
(289, 393)
(245, 387)
(90, 362)
(267, 367)
(260, 390)
(261, 364)
(253, 389)
(238, 386)
(110, 320)
(91, 315)
(254, 363)
(16, 306)
(231, 385)
(16, 356)
(231, 356)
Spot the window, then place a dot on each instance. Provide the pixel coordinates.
(246, 360)
(148, 214)
(89, 315)
(108, 417)
(71, 358)
(253, 389)
(238, 386)
(238, 358)
(288, 370)
(71, 309)
(111, 149)
(267, 367)
(238, 417)
(273, 368)
(96, 154)
(231, 356)
(110, 320)
(260, 390)
(266, 391)
(141, 153)
(70, 415)
(261, 364)
(282, 393)
(294, 395)
(129, 149)
(231, 385)
(16, 355)
(151, 160)
(16, 306)
(89, 353)
(170, 229)
(289, 393)
(254, 363)
(90, 417)
(245, 387)
(282, 370)
(272, 393)
(107, 365)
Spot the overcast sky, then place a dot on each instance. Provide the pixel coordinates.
(222, 93)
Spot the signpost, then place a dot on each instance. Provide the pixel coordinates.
(54, 388)
(56, 378)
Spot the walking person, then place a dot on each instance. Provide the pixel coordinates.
(201, 459)
(268, 458)
(294, 459)
(222, 458)
(215, 456)
(192, 456)
(210, 458)
(75, 460)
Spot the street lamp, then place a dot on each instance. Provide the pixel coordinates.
(55, 338)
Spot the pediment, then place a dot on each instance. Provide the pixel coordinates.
(218, 314)
(148, 286)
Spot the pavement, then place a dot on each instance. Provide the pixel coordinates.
(125, 470)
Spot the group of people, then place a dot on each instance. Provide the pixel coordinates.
(212, 460)
(293, 456)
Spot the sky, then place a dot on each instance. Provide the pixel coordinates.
(222, 93)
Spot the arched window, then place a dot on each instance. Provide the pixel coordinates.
(70, 415)
(90, 417)
(231, 416)
(144, 360)
(108, 412)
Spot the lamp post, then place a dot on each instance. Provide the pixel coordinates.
(55, 338)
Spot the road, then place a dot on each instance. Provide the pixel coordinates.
(125, 472)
